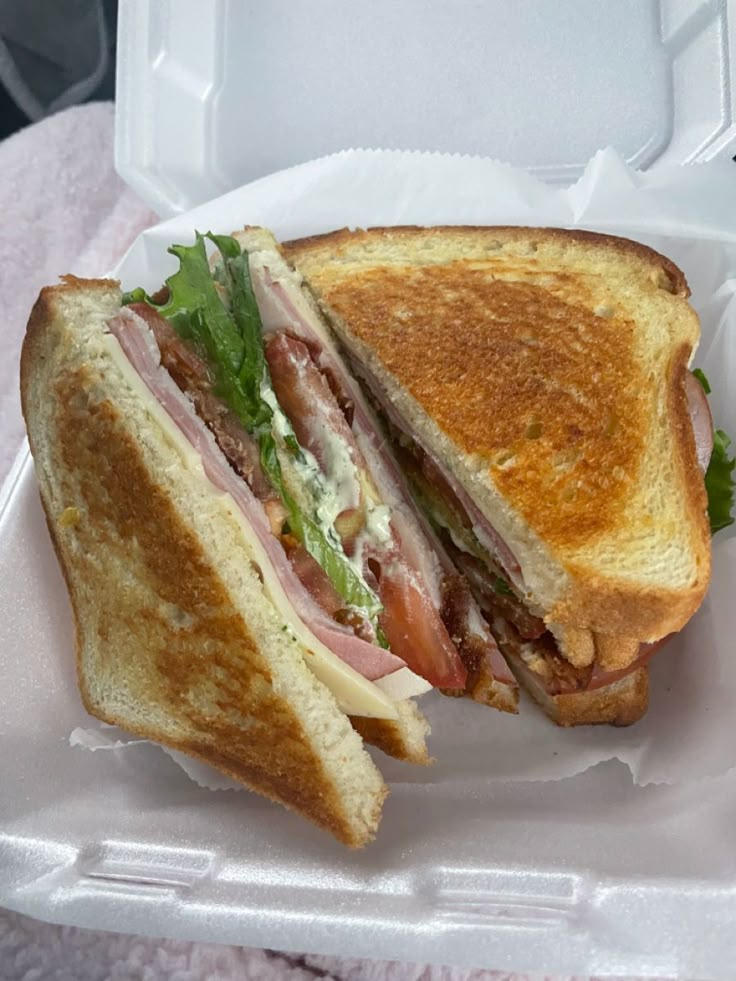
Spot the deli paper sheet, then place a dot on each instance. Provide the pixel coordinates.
(689, 214)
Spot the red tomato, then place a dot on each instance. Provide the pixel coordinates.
(414, 629)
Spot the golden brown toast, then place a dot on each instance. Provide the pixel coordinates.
(546, 369)
(176, 640)
(552, 363)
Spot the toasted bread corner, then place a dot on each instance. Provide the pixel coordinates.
(175, 640)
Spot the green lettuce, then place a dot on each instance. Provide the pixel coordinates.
(719, 482)
(704, 383)
(230, 333)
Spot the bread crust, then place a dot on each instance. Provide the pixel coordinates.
(333, 242)
(162, 648)
(615, 653)
(606, 605)
(621, 703)
(395, 738)
(575, 594)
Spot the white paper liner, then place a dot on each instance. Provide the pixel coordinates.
(101, 736)
(689, 214)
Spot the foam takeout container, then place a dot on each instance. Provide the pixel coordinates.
(586, 874)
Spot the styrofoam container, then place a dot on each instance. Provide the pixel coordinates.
(590, 874)
(212, 95)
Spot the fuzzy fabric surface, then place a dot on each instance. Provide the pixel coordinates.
(33, 951)
(65, 210)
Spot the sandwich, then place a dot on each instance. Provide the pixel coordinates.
(535, 385)
(250, 581)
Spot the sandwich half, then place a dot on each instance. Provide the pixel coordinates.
(249, 580)
(535, 384)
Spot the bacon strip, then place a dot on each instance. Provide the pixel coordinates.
(315, 415)
(193, 376)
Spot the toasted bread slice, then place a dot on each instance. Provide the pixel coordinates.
(621, 703)
(546, 369)
(176, 639)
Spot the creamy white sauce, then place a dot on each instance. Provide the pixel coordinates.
(336, 487)
(341, 480)
(376, 533)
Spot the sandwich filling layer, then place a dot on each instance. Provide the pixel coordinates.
(358, 571)
(281, 303)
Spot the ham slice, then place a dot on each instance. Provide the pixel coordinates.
(600, 678)
(139, 346)
(700, 418)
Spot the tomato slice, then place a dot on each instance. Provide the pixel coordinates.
(414, 628)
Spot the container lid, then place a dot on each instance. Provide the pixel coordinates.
(211, 96)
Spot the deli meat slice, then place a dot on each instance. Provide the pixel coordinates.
(600, 678)
(700, 418)
(139, 346)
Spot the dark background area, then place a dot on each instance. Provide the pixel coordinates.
(12, 118)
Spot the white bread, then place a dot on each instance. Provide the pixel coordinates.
(426, 313)
(175, 638)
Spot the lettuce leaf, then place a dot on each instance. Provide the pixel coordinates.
(704, 383)
(719, 482)
(231, 336)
